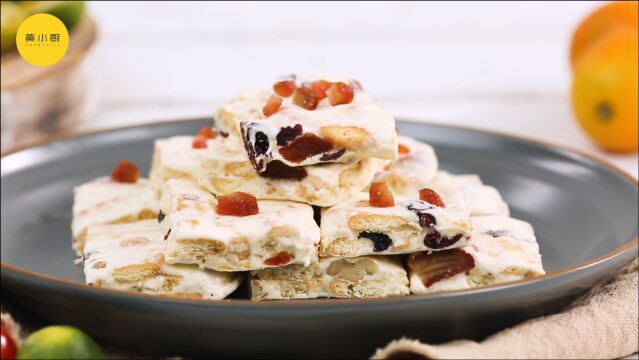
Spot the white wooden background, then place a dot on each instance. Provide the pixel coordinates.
(492, 65)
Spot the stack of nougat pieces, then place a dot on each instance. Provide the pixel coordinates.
(305, 190)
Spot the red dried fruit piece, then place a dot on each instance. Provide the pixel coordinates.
(207, 133)
(403, 149)
(199, 143)
(380, 195)
(431, 197)
(305, 98)
(237, 204)
(272, 105)
(288, 134)
(125, 172)
(320, 87)
(440, 265)
(340, 93)
(435, 240)
(304, 147)
(281, 258)
(284, 88)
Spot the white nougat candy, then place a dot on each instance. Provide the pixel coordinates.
(480, 199)
(281, 233)
(413, 171)
(104, 201)
(361, 277)
(131, 257)
(223, 167)
(355, 228)
(502, 249)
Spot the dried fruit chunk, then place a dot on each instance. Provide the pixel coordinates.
(380, 195)
(207, 133)
(288, 134)
(431, 197)
(237, 204)
(125, 172)
(272, 105)
(304, 147)
(403, 149)
(439, 265)
(380, 241)
(320, 87)
(333, 156)
(285, 87)
(305, 98)
(278, 170)
(340, 93)
(435, 240)
(199, 143)
(281, 258)
(261, 143)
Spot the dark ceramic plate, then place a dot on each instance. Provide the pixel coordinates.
(584, 213)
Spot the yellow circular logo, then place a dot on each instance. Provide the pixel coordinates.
(42, 39)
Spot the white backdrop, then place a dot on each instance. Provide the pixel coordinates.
(501, 66)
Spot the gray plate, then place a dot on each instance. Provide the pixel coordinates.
(584, 214)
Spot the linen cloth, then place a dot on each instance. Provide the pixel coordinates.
(600, 325)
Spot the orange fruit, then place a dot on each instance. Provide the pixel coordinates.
(605, 89)
(609, 17)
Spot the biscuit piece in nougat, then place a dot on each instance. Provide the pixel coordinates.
(360, 277)
(280, 233)
(223, 168)
(356, 228)
(104, 201)
(131, 257)
(501, 249)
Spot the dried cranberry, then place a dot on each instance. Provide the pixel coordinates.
(125, 172)
(431, 197)
(380, 195)
(432, 267)
(281, 258)
(278, 170)
(288, 134)
(237, 204)
(333, 156)
(380, 241)
(435, 240)
(304, 147)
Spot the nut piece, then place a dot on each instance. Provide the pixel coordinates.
(272, 105)
(237, 204)
(440, 265)
(125, 172)
(380, 195)
(431, 197)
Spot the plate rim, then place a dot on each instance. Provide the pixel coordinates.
(78, 286)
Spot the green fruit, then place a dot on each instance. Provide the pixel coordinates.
(11, 16)
(69, 12)
(59, 342)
